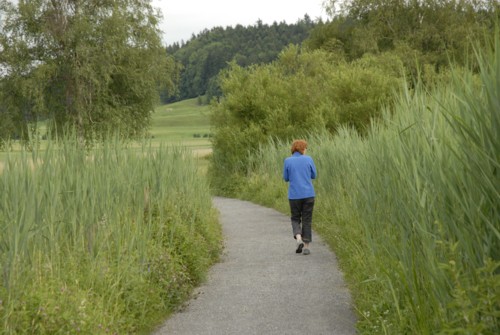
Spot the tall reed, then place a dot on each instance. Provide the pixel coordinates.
(102, 240)
(413, 208)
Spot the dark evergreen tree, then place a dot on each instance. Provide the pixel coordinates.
(210, 51)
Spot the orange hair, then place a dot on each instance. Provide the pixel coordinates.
(299, 145)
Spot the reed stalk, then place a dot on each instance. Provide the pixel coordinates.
(94, 239)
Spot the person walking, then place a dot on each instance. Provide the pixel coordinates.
(298, 171)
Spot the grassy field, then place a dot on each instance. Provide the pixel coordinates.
(185, 123)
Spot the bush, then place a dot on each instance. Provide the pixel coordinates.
(302, 92)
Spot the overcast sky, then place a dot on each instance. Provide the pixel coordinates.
(182, 18)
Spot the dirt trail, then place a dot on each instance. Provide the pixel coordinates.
(261, 286)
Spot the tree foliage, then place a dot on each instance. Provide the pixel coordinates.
(423, 31)
(301, 92)
(210, 51)
(93, 65)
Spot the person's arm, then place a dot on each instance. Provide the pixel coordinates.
(314, 173)
(286, 177)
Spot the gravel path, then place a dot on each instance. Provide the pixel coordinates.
(261, 286)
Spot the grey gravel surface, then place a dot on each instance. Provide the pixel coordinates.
(261, 286)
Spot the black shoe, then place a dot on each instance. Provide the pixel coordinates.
(300, 245)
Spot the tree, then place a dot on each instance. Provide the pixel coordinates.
(207, 53)
(302, 92)
(434, 27)
(93, 65)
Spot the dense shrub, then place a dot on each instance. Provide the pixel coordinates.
(301, 92)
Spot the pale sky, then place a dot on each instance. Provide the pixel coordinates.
(182, 18)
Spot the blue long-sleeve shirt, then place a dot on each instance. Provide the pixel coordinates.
(299, 170)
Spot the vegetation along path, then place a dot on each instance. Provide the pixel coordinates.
(261, 286)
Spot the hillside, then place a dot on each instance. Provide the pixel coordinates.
(185, 122)
(205, 54)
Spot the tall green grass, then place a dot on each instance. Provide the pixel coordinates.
(412, 209)
(102, 241)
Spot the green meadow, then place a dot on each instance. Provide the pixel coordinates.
(185, 122)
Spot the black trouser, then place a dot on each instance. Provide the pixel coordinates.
(302, 210)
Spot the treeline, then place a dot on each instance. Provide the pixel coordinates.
(205, 54)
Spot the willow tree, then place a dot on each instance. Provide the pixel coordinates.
(92, 65)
